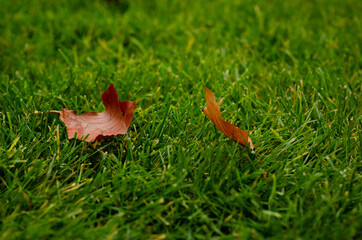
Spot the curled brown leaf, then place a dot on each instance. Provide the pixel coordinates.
(212, 111)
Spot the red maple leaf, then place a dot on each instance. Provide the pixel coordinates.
(92, 126)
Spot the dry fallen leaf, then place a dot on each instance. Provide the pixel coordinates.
(114, 121)
(212, 111)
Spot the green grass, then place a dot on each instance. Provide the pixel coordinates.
(291, 75)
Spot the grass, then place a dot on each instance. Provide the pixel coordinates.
(291, 75)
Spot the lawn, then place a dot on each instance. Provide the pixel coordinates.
(290, 72)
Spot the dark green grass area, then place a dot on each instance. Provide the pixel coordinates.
(290, 72)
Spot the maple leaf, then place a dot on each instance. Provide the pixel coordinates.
(212, 111)
(114, 121)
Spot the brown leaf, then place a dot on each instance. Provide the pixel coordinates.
(212, 111)
(114, 121)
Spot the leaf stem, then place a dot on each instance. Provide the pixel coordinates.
(51, 111)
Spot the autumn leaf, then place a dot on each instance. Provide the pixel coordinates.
(212, 111)
(114, 121)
